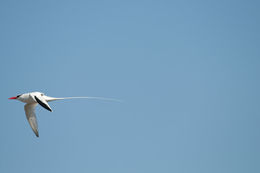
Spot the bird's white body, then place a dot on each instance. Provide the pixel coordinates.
(30, 97)
(34, 98)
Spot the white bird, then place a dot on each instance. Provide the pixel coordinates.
(33, 98)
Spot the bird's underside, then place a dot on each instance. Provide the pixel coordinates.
(35, 98)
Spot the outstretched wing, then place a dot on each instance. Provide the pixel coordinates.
(42, 102)
(31, 117)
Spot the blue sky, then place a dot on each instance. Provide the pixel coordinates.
(188, 72)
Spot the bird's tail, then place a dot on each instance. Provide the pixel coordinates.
(96, 98)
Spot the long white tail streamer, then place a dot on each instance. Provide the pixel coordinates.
(97, 98)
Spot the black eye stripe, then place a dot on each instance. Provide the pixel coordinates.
(18, 95)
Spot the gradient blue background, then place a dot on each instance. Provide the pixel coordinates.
(188, 72)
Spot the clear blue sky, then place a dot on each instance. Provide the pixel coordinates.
(188, 72)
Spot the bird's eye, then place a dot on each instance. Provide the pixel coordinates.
(41, 94)
(18, 96)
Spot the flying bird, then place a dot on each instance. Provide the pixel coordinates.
(34, 98)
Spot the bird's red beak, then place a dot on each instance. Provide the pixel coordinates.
(13, 98)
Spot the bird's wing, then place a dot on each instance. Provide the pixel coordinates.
(31, 117)
(42, 102)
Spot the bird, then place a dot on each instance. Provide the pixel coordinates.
(32, 99)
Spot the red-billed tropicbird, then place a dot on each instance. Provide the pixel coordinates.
(33, 98)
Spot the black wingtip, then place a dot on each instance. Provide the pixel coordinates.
(42, 104)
